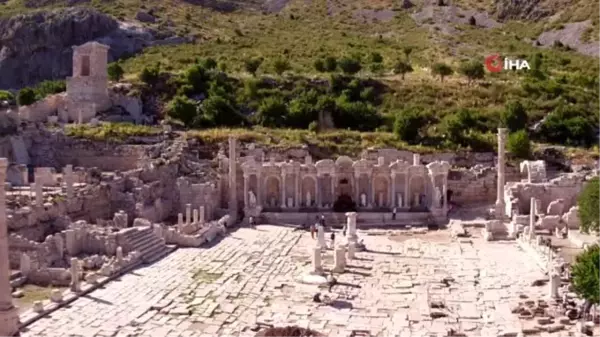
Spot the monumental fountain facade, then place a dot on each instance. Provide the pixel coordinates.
(295, 191)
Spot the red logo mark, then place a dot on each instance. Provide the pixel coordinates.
(493, 63)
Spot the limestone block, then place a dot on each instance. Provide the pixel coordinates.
(25, 265)
(548, 222)
(571, 218)
(56, 296)
(38, 306)
(141, 222)
(91, 278)
(556, 207)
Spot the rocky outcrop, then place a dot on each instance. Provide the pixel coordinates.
(38, 46)
(520, 10)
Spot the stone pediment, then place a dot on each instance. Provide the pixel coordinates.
(438, 167)
(399, 166)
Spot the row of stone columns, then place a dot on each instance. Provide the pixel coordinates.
(191, 216)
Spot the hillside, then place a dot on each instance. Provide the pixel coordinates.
(285, 38)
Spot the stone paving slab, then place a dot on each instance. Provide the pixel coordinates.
(250, 276)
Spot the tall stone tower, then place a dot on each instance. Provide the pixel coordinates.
(87, 89)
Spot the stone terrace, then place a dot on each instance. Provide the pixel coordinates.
(250, 276)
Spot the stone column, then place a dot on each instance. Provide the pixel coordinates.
(318, 191)
(246, 191)
(351, 226)
(445, 195)
(188, 214)
(339, 259)
(24, 174)
(79, 116)
(180, 220)
(297, 195)
(357, 189)
(333, 178)
(393, 189)
(39, 193)
(407, 196)
(532, 217)
(316, 261)
(9, 315)
(371, 199)
(202, 215)
(500, 207)
(321, 237)
(75, 285)
(553, 286)
(68, 177)
(283, 194)
(119, 255)
(195, 216)
(233, 206)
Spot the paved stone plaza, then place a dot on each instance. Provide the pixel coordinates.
(250, 276)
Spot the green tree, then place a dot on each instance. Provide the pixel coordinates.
(407, 51)
(272, 112)
(585, 273)
(183, 109)
(408, 124)
(26, 96)
(514, 117)
(473, 70)
(281, 65)
(115, 72)
(442, 70)
(46, 88)
(330, 64)
(6, 96)
(251, 65)
(588, 202)
(350, 65)
(402, 68)
(208, 63)
(197, 77)
(518, 144)
(220, 111)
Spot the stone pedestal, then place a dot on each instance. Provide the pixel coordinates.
(351, 226)
(68, 177)
(317, 267)
(553, 286)
(321, 237)
(56, 296)
(180, 220)
(339, 259)
(195, 216)
(351, 250)
(75, 284)
(202, 215)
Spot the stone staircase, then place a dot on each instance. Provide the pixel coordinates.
(144, 240)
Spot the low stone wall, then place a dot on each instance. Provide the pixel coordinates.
(206, 234)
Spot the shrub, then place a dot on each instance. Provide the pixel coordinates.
(585, 274)
(319, 65)
(472, 21)
(588, 202)
(407, 51)
(330, 64)
(459, 124)
(251, 65)
(442, 70)
(408, 124)
(302, 109)
(115, 72)
(566, 125)
(402, 68)
(313, 126)
(281, 65)
(272, 112)
(514, 117)
(375, 57)
(46, 88)
(6, 96)
(518, 144)
(197, 77)
(183, 109)
(376, 68)
(473, 70)
(359, 116)
(220, 111)
(26, 96)
(150, 74)
(208, 63)
(349, 65)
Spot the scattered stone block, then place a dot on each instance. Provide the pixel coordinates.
(56, 296)
(38, 306)
(18, 294)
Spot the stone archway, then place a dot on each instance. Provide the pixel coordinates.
(344, 202)
(381, 189)
(272, 192)
(417, 192)
(309, 191)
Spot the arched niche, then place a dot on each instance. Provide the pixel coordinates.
(273, 191)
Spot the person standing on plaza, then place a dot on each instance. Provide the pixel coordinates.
(313, 229)
(332, 240)
(394, 213)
